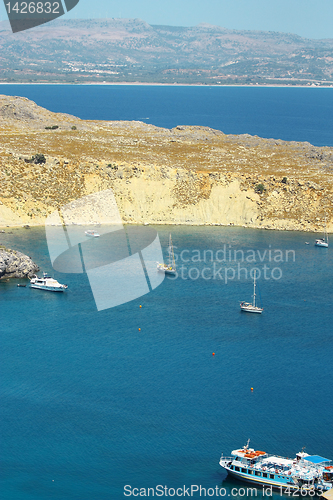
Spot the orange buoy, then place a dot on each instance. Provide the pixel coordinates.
(140, 306)
(139, 329)
(251, 389)
(213, 353)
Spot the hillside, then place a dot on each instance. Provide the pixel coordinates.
(130, 50)
(187, 175)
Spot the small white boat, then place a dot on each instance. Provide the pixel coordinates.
(47, 283)
(323, 242)
(247, 306)
(91, 233)
(171, 267)
(166, 269)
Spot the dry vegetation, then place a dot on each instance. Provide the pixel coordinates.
(86, 156)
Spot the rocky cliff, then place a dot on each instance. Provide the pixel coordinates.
(187, 175)
(15, 264)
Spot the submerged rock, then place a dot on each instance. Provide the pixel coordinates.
(15, 264)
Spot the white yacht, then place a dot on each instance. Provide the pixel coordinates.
(47, 283)
(323, 242)
(91, 233)
(247, 306)
(171, 267)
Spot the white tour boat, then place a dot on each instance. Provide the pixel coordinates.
(91, 233)
(252, 308)
(171, 267)
(47, 283)
(305, 473)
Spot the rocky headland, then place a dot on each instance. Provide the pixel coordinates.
(15, 264)
(186, 175)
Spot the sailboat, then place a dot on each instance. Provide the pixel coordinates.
(323, 242)
(171, 267)
(252, 308)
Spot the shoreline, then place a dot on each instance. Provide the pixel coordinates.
(129, 223)
(136, 84)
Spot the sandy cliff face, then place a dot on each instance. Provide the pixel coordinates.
(187, 175)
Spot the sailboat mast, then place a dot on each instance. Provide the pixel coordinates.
(172, 262)
(173, 255)
(254, 290)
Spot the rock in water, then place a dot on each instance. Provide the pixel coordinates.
(15, 264)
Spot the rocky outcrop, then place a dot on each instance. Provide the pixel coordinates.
(186, 175)
(15, 264)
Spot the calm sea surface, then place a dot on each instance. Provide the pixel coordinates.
(90, 404)
(291, 114)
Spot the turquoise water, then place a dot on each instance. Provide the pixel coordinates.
(90, 404)
(291, 114)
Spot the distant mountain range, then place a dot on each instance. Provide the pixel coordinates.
(130, 50)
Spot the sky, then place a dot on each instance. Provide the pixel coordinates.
(307, 18)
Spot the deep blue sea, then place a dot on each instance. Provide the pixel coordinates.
(291, 114)
(90, 403)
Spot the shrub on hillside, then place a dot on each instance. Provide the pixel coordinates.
(260, 188)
